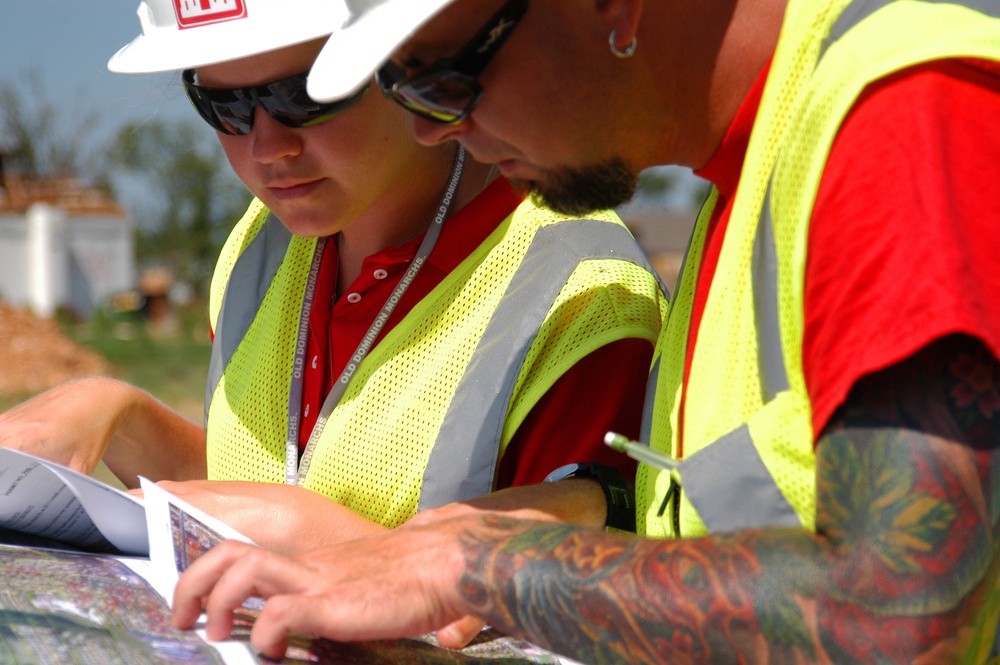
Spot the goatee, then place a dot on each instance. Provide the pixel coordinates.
(582, 191)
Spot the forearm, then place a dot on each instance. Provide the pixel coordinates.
(309, 525)
(151, 439)
(283, 518)
(574, 501)
(600, 598)
(78, 423)
(748, 597)
(902, 565)
(305, 533)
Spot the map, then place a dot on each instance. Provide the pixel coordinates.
(62, 607)
(192, 537)
(76, 608)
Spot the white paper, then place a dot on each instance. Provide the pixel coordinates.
(45, 499)
(171, 522)
(39, 492)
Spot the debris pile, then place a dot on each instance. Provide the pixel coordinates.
(37, 355)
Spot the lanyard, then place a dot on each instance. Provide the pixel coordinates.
(295, 470)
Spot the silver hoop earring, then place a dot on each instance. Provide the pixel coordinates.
(629, 50)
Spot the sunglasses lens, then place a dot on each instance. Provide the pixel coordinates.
(288, 102)
(234, 118)
(225, 110)
(443, 96)
(231, 110)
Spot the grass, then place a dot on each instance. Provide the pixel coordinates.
(170, 361)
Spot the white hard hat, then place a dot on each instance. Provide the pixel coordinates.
(182, 34)
(372, 31)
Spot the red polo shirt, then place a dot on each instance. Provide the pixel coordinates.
(567, 425)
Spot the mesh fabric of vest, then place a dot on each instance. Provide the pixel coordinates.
(374, 448)
(724, 386)
(246, 424)
(802, 107)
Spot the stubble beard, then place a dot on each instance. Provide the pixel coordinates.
(584, 190)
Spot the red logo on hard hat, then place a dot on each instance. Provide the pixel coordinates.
(192, 13)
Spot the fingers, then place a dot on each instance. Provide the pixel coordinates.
(194, 586)
(338, 618)
(459, 633)
(404, 582)
(221, 580)
(287, 614)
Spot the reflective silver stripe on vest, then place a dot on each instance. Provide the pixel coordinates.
(646, 429)
(469, 439)
(861, 9)
(727, 481)
(764, 269)
(729, 486)
(248, 283)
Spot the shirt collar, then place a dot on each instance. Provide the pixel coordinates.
(463, 231)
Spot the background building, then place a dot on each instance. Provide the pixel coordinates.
(62, 245)
(662, 216)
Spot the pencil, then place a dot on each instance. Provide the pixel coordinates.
(639, 451)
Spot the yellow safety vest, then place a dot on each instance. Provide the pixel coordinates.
(748, 440)
(430, 409)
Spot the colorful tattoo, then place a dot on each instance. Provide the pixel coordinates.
(904, 566)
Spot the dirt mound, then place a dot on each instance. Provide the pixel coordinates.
(37, 355)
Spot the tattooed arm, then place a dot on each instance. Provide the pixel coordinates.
(904, 564)
(903, 567)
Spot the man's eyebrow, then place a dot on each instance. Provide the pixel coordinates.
(413, 54)
(409, 61)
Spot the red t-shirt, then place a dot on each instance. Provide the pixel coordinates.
(904, 242)
(567, 425)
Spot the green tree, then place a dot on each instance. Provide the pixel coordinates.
(41, 139)
(171, 175)
(659, 182)
(191, 197)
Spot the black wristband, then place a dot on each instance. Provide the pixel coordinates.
(617, 493)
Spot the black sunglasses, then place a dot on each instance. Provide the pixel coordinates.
(230, 110)
(447, 91)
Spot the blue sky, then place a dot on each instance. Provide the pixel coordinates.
(68, 43)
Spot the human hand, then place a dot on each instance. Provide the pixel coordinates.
(458, 634)
(70, 424)
(80, 422)
(580, 502)
(401, 583)
(577, 501)
(283, 518)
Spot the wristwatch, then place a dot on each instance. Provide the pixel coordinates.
(617, 493)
